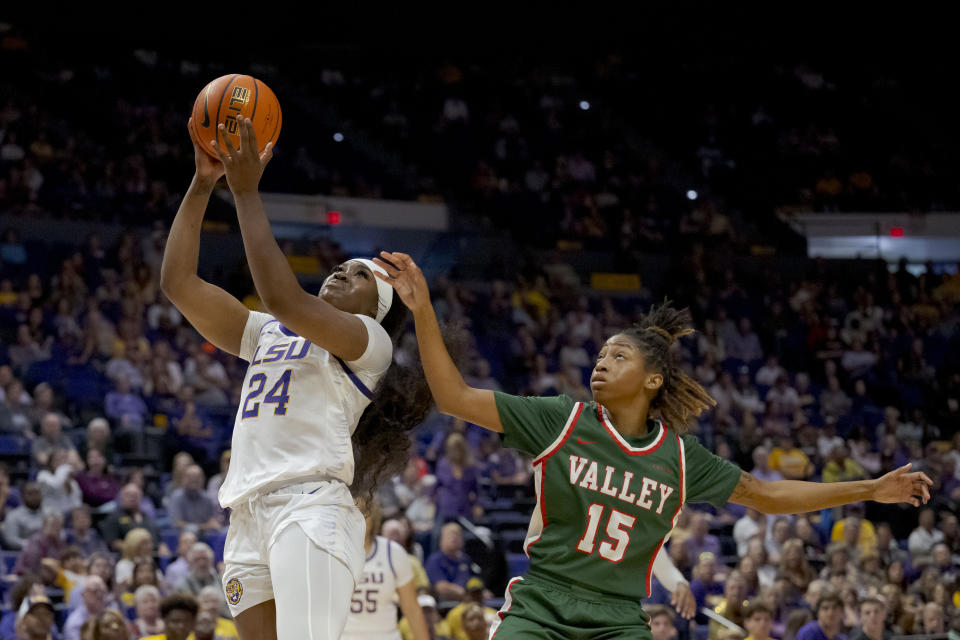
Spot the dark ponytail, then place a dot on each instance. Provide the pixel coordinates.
(681, 398)
(402, 400)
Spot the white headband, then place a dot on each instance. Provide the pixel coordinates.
(384, 290)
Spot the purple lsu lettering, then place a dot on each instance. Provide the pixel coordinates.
(282, 352)
(650, 490)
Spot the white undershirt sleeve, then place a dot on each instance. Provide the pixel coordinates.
(665, 571)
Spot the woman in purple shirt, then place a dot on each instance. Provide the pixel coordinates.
(456, 492)
(98, 486)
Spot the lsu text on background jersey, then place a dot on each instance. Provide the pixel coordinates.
(299, 407)
(373, 607)
(605, 502)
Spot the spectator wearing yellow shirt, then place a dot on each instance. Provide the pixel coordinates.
(842, 468)
(211, 600)
(179, 613)
(435, 624)
(790, 461)
(474, 596)
(855, 532)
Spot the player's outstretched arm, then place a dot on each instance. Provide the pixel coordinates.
(452, 395)
(795, 496)
(342, 334)
(217, 315)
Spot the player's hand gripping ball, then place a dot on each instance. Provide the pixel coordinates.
(228, 98)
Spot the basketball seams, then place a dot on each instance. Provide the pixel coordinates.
(220, 105)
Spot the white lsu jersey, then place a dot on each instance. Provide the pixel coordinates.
(373, 607)
(299, 408)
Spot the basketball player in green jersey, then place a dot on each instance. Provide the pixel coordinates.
(612, 474)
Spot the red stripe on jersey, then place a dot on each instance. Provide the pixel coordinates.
(673, 520)
(541, 462)
(631, 451)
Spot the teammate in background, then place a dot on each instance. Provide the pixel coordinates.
(611, 475)
(387, 581)
(295, 545)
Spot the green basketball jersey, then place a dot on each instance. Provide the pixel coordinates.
(605, 502)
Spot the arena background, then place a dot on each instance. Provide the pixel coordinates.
(555, 173)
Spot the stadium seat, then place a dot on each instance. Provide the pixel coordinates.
(517, 563)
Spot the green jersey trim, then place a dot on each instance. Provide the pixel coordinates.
(538, 520)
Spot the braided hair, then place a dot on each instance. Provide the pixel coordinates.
(681, 398)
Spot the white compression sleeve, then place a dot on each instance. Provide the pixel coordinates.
(665, 571)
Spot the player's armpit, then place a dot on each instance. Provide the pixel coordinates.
(748, 492)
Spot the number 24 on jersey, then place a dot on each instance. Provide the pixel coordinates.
(279, 395)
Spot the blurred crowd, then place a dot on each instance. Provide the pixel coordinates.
(115, 416)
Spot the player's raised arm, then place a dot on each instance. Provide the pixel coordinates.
(217, 315)
(795, 496)
(341, 333)
(452, 395)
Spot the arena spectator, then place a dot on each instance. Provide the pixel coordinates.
(126, 517)
(700, 539)
(827, 625)
(761, 469)
(24, 521)
(732, 607)
(449, 567)
(661, 622)
(211, 601)
(137, 547)
(841, 468)
(124, 406)
(436, 626)
(474, 597)
(94, 593)
(98, 437)
(753, 523)
(98, 564)
(925, 536)
(46, 543)
(873, 614)
(790, 460)
(82, 534)
(202, 573)
(98, 484)
(35, 618)
(178, 570)
(457, 476)
(147, 620)
(179, 613)
(933, 619)
(191, 508)
(51, 437)
(758, 620)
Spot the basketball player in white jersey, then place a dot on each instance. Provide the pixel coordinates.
(295, 546)
(387, 582)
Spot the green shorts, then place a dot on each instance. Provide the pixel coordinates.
(539, 608)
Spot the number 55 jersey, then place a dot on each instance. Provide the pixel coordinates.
(606, 503)
(373, 606)
(299, 407)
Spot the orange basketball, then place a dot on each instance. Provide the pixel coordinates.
(229, 97)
